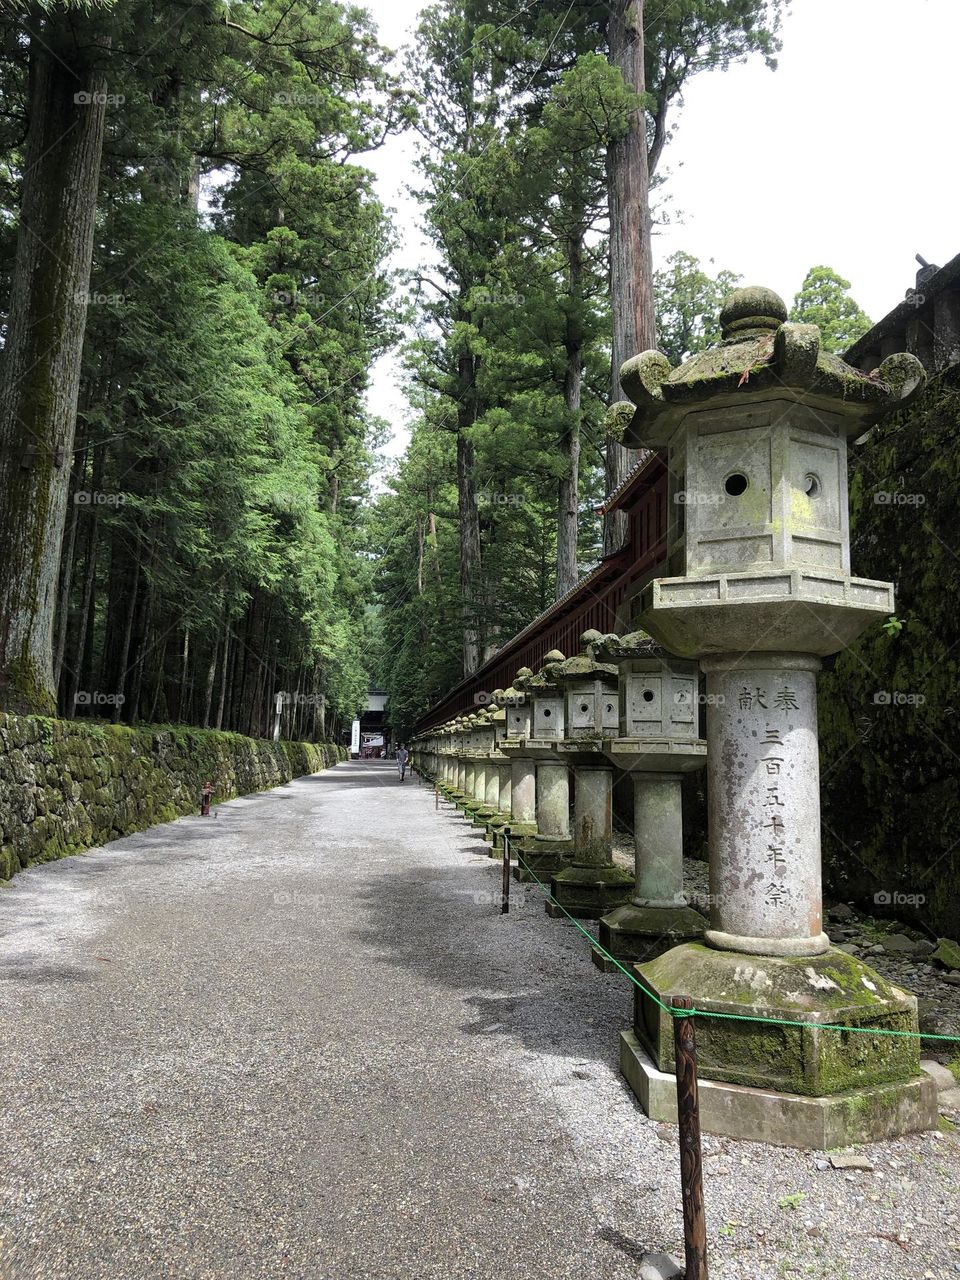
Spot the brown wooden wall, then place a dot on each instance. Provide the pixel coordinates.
(598, 603)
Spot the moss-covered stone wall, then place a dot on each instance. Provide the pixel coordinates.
(67, 785)
(889, 716)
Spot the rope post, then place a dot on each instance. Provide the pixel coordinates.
(436, 797)
(505, 889)
(691, 1156)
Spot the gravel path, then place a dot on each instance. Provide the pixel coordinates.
(298, 1040)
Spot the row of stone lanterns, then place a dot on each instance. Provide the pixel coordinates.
(759, 591)
(620, 704)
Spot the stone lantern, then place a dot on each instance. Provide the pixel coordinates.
(470, 754)
(458, 741)
(546, 850)
(479, 809)
(522, 790)
(592, 883)
(758, 588)
(498, 787)
(657, 745)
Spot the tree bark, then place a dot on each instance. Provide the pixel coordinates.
(568, 503)
(66, 570)
(183, 699)
(631, 262)
(211, 677)
(83, 655)
(40, 376)
(470, 558)
(224, 674)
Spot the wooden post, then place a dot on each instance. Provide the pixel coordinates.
(691, 1158)
(505, 890)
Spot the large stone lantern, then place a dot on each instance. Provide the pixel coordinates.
(657, 745)
(758, 588)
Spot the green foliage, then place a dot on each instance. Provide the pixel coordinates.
(214, 552)
(510, 367)
(688, 305)
(889, 734)
(823, 300)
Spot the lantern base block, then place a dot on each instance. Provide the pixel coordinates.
(540, 859)
(589, 892)
(772, 1033)
(637, 933)
(870, 1114)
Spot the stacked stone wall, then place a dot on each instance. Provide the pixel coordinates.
(69, 785)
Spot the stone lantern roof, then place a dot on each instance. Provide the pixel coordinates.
(585, 667)
(547, 675)
(761, 354)
(628, 648)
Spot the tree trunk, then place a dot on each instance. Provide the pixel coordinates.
(183, 699)
(434, 545)
(631, 263)
(211, 678)
(66, 571)
(119, 692)
(40, 376)
(470, 562)
(224, 674)
(83, 655)
(569, 489)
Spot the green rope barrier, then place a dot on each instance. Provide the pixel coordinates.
(711, 1013)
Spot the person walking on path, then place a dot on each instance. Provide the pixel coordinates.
(403, 755)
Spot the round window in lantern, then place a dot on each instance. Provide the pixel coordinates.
(648, 695)
(735, 484)
(811, 485)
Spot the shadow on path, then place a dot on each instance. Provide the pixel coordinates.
(523, 974)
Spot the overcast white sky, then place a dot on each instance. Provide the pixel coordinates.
(846, 155)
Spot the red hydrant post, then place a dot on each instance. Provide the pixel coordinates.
(205, 793)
